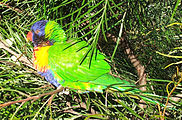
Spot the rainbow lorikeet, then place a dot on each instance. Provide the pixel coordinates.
(58, 60)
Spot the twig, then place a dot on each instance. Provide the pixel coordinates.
(30, 98)
(160, 113)
(169, 94)
(138, 66)
(52, 96)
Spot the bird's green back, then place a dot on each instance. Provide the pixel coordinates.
(65, 60)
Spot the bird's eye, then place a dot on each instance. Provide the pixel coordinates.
(37, 31)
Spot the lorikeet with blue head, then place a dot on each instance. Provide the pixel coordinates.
(59, 61)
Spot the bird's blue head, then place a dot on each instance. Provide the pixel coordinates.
(37, 34)
(45, 33)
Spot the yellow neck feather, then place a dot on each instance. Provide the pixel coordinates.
(41, 58)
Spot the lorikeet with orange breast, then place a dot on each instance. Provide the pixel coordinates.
(59, 61)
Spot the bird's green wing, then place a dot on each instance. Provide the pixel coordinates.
(65, 58)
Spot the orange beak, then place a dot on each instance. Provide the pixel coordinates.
(29, 36)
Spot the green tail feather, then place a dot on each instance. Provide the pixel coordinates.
(115, 83)
(110, 82)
